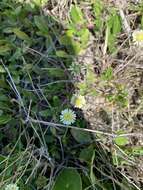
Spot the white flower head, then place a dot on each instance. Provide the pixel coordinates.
(138, 37)
(67, 117)
(11, 187)
(78, 101)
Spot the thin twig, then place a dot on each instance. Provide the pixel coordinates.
(125, 22)
(127, 28)
(14, 88)
(83, 129)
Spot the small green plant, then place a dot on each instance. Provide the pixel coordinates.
(75, 69)
(113, 25)
(106, 85)
(98, 9)
(77, 35)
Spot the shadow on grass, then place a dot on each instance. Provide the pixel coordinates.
(35, 83)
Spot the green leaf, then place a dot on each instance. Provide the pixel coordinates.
(92, 175)
(7, 30)
(20, 34)
(55, 72)
(68, 179)
(121, 97)
(45, 113)
(114, 28)
(4, 119)
(2, 69)
(90, 75)
(5, 46)
(98, 9)
(83, 87)
(40, 2)
(107, 75)
(121, 141)
(66, 40)
(76, 15)
(56, 101)
(62, 54)
(76, 47)
(81, 136)
(86, 154)
(137, 151)
(41, 24)
(116, 24)
(84, 37)
(111, 43)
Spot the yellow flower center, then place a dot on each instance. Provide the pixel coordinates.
(139, 37)
(78, 102)
(67, 117)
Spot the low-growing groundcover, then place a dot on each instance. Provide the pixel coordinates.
(50, 78)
